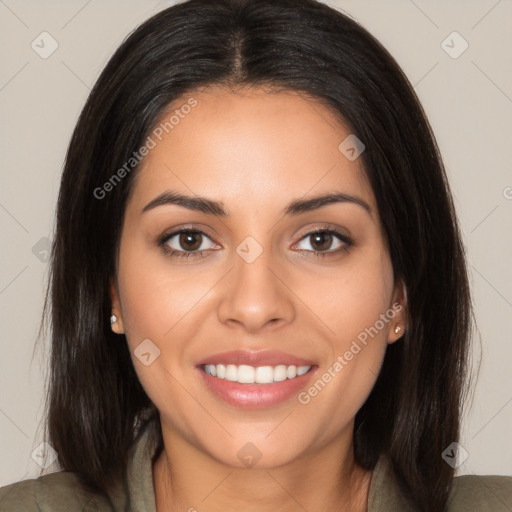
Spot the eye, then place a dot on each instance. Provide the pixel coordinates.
(321, 242)
(185, 243)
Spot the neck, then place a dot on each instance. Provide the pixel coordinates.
(329, 479)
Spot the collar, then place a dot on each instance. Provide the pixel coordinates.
(384, 494)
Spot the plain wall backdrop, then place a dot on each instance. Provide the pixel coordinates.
(52, 53)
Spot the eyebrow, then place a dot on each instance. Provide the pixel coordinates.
(211, 207)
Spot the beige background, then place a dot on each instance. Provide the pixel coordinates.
(468, 101)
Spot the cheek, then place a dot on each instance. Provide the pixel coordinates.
(354, 303)
(154, 294)
(353, 296)
(157, 305)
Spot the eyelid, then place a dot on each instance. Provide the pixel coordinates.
(195, 228)
(203, 230)
(344, 233)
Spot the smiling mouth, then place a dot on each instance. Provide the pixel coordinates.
(245, 374)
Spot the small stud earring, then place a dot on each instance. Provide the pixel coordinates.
(397, 329)
(113, 319)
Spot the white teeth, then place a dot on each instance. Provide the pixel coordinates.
(249, 374)
(291, 372)
(264, 374)
(211, 369)
(280, 373)
(221, 371)
(301, 370)
(231, 372)
(246, 374)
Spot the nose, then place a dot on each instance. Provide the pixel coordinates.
(256, 296)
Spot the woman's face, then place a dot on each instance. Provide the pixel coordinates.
(263, 283)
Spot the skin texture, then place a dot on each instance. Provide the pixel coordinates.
(255, 150)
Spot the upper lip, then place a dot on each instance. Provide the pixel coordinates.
(259, 358)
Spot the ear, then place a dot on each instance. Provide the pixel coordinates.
(117, 326)
(399, 307)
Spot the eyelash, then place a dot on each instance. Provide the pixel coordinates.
(173, 253)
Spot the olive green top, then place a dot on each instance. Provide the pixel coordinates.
(60, 491)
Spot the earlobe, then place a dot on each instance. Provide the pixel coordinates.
(116, 324)
(116, 320)
(399, 305)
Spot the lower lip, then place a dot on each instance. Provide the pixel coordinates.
(255, 396)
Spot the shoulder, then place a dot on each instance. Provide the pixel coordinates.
(481, 493)
(475, 493)
(60, 491)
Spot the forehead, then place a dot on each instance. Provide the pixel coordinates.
(253, 146)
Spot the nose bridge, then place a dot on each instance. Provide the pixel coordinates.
(255, 295)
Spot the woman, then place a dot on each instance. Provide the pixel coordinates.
(259, 297)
